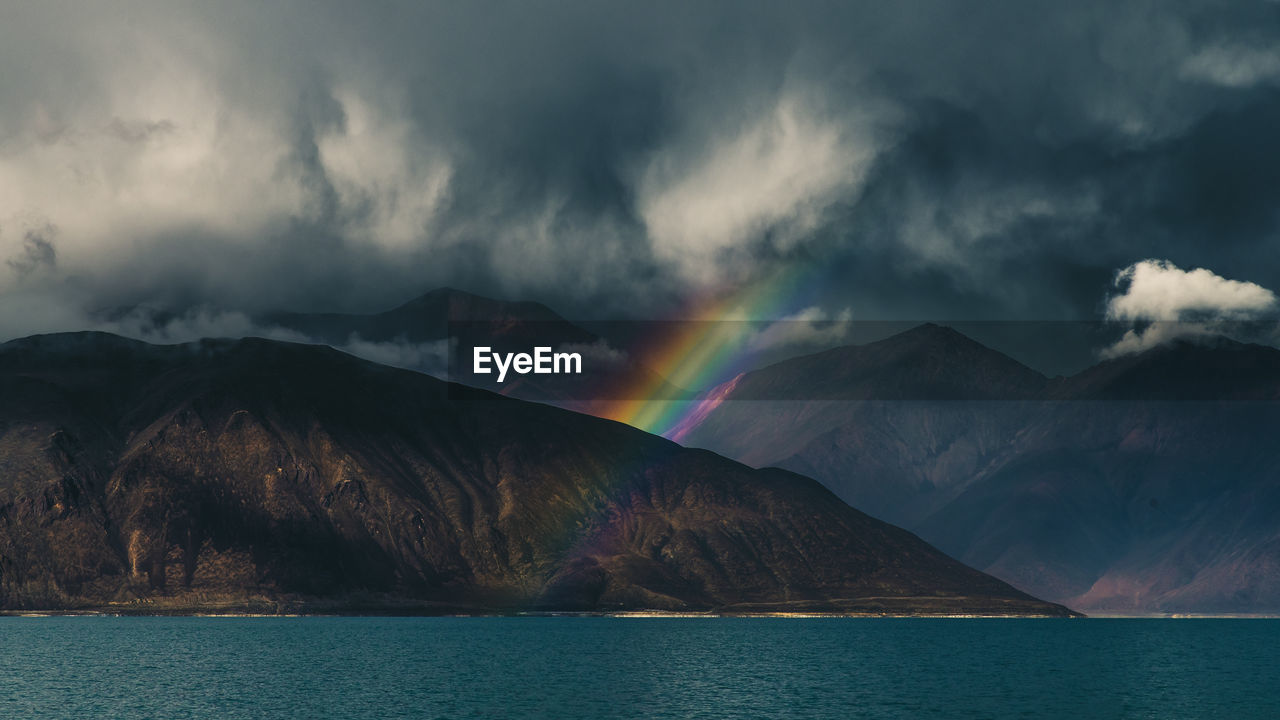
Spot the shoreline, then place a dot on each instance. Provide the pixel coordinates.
(635, 615)
(390, 612)
(293, 610)
(393, 606)
(618, 614)
(624, 615)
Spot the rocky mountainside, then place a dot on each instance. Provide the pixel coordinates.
(1149, 483)
(255, 474)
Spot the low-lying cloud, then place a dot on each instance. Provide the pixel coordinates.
(1162, 302)
(148, 325)
(31, 313)
(431, 358)
(808, 329)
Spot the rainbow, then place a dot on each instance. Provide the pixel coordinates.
(701, 349)
(691, 352)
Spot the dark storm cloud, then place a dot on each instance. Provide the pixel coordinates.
(934, 159)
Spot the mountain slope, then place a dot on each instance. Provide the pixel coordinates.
(897, 424)
(1144, 484)
(237, 473)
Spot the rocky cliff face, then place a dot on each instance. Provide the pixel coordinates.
(248, 474)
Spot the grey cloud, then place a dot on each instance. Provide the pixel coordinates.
(38, 251)
(136, 131)
(924, 159)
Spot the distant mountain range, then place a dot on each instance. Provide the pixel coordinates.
(1142, 484)
(1149, 483)
(467, 320)
(427, 318)
(253, 474)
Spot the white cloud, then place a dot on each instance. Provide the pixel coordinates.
(777, 175)
(368, 160)
(152, 145)
(1164, 302)
(1160, 290)
(190, 326)
(1158, 333)
(810, 327)
(597, 353)
(431, 358)
(164, 143)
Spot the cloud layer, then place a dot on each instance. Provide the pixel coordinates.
(923, 160)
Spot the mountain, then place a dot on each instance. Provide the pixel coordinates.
(897, 424)
(927, 363)
(254, 474)
(426, 318)
(1144, 484)
(435, 333)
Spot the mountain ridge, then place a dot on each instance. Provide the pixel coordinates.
(254, 473)
(423, 318)
(1105, 490)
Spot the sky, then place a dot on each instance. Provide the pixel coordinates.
(998, 160)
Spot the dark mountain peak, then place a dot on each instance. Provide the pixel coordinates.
(1202, 368)
(88, 347)
(928, 362)
(1133, 504)
(459, 305)
(447, 291)
(66, 345)
(1185, 346)
(68, 342)
(426, 318)
(932, 330)
(931, 337)
(79, 361)
(1206, 349)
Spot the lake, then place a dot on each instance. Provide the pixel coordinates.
(605, 667)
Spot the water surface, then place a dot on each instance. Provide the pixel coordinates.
(601, 667)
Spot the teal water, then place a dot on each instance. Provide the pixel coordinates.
(599, 667)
